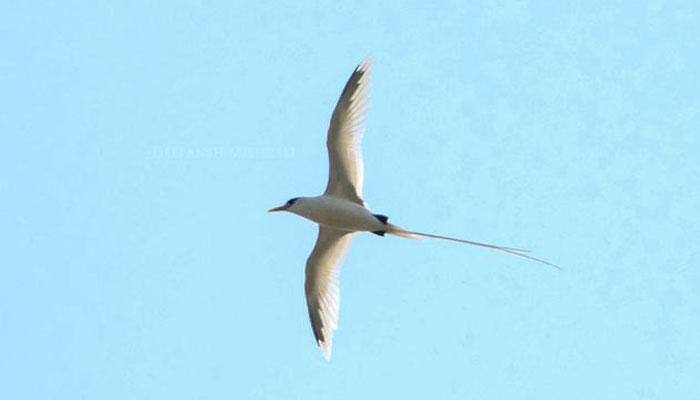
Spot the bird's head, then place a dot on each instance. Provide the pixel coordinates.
(286, 206)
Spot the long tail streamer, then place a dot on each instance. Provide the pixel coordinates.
(510, 250)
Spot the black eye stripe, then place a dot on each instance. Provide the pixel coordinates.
(291, 201)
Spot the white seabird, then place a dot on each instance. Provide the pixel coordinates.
(340, 210)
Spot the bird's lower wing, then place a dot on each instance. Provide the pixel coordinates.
(322, 285)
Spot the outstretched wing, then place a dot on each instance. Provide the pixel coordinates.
(322, 286)
(345, 176)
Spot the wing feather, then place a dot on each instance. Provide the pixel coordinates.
(344, 142)
(322, 285)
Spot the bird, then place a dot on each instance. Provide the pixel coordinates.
(340, 211)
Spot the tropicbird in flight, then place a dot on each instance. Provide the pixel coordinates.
(340, 210)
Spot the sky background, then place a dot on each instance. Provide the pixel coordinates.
(141, 143)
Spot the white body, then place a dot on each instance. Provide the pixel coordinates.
(334, 212)
(341, 210)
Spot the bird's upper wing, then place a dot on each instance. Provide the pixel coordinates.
(345, 177)
(322, 286)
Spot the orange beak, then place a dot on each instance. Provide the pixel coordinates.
(280, 208)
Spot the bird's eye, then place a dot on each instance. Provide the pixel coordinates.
(291, 201)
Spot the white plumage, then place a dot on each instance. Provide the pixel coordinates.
(340, 211)
(344, 142)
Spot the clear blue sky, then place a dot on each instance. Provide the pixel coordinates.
(142, 142)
